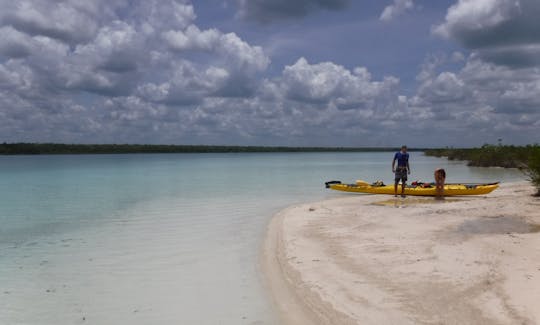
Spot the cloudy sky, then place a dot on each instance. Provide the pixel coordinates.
(270, 72)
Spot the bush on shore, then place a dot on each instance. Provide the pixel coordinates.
(488, 155)
(534, 169)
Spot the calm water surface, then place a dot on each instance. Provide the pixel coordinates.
(164, 238)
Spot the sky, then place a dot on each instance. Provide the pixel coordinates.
(271, 72)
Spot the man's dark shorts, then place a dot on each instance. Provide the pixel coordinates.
(401, 174)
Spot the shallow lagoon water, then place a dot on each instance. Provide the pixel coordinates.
(163, 238)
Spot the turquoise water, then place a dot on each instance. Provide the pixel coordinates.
(164, 238)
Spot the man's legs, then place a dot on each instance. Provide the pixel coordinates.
(400, 176)
(397, 177)
(403, 182)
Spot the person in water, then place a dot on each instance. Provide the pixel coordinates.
(403, 168)
(440, 177)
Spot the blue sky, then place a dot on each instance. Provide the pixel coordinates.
(271, 72)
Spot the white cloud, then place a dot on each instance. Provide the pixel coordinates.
(14, 44)
(327, 82)
(397, 8)
(496, 92)
(162, 15)
(186, 84)
(69, 21)
(471, 15)
(15, 78)
(192, 38)
(147, 72)
(115, 48)
(244, 56)
(483, 97)
(444, 88)
(504, 32)
(66, 62)
(110, 56)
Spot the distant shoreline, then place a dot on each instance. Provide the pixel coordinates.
(490, 155)
(81, 149)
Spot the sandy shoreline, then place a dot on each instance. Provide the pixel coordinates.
(367, 259)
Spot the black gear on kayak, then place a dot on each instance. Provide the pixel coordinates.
(327, 184)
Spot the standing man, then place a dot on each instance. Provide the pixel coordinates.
(402, 169)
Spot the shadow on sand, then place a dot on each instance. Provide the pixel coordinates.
(399, 202)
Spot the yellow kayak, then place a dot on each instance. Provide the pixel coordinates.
(422, 189)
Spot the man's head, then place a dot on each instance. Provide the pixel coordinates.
(403, 148)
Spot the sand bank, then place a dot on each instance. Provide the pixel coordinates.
(367, 259)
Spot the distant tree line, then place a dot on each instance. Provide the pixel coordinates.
(526, 158)
(489, 155)
(58, 148)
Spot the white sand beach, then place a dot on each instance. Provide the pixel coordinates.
(368, 259)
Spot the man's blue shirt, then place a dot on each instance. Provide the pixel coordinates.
(402, 159)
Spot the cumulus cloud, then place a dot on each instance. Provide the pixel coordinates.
(15, 44)
(145, 71)
(306, 103)
(269, 10)
(113, 65)
(325, 101)
(70, 21)
(331, 84)
(500, 31)
(495, 93)
(444, 88)
(193, 38)
(397, 8)
(483, 100)
(185, 85)
(245, 56)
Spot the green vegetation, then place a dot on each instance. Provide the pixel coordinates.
(526, 158)
(56, 148)
(488, 155)
(534, 169)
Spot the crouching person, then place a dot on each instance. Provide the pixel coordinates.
(440, 177)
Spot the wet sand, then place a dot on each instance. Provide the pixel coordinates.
(369, 259)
